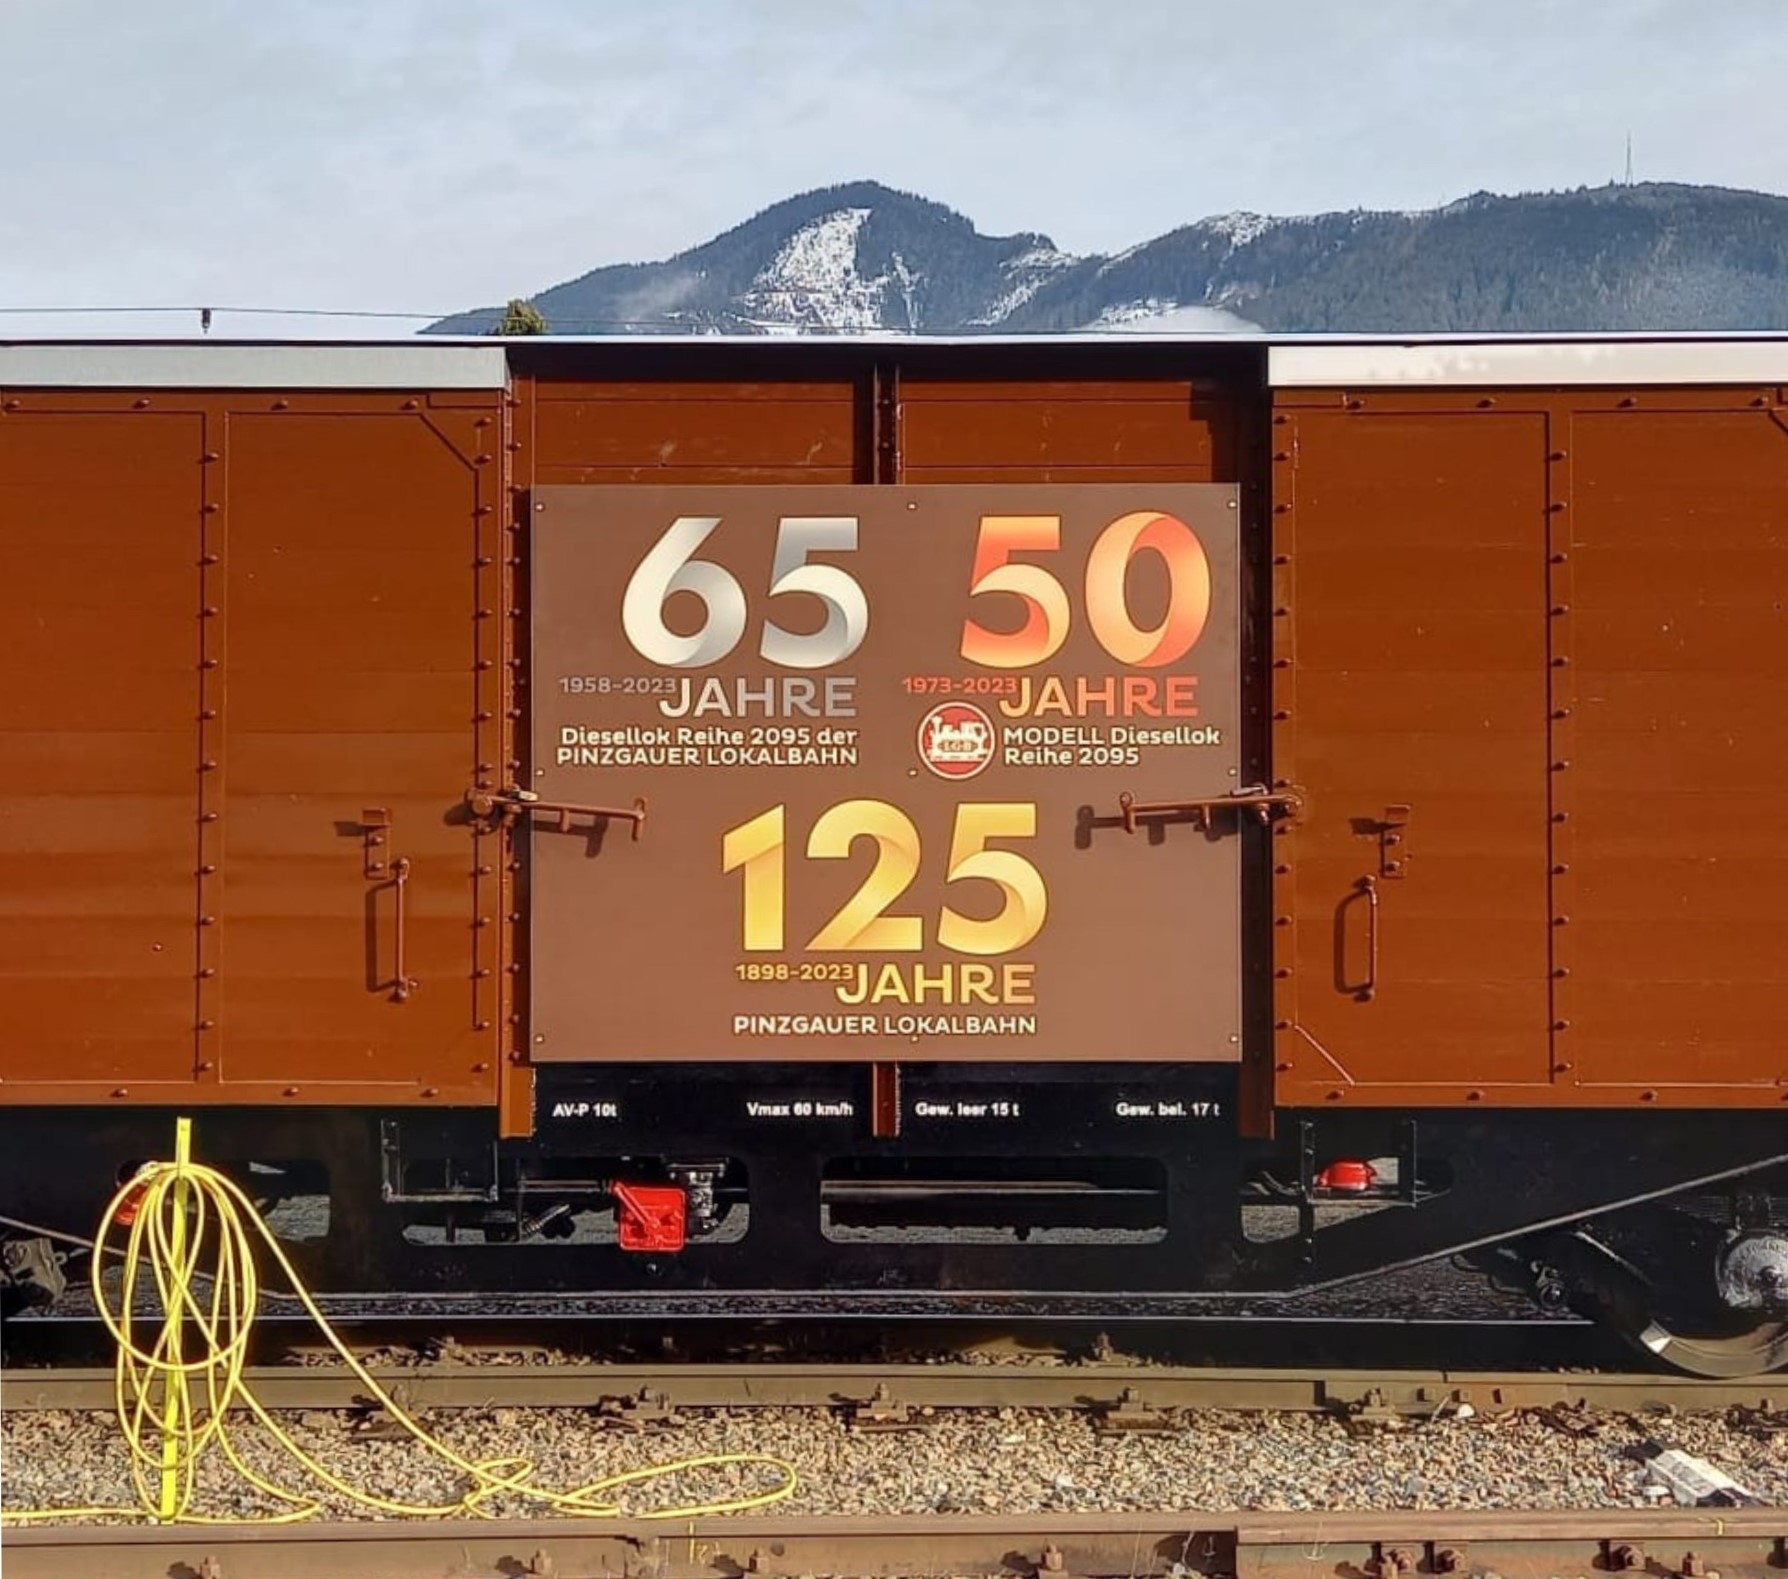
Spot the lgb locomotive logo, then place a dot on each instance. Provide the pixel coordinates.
(956, 740)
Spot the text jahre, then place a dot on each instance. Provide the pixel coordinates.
(1115, 696)
(784, 696)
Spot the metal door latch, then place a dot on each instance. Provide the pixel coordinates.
(1257, 800)
(375, 831)
(1393, 860)
(510, 805)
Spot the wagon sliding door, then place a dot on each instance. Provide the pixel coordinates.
(1410, 696)
(348, 945)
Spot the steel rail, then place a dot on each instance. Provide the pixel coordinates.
(1121, 1393)
(1734, 1542)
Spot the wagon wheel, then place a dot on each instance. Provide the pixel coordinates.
(1747, 1351)
(1706, 1343)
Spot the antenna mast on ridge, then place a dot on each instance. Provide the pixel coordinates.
(1629, 180)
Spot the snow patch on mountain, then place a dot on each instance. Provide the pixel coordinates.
(908, 280)
(1153, 315)
(813, 281)
(1239, 228)
(1023, 276)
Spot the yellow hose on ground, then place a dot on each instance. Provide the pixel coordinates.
(174, 1409)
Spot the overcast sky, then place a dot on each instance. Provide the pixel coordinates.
(428, 155)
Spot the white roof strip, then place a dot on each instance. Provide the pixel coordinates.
(203, 366)
(1528, 363)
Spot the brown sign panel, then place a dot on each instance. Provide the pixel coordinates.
(881, 736)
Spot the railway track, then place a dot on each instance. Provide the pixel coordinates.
(1385, 1545)
(1122, 1396)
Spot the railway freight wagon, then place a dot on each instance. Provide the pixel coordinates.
(903, 829)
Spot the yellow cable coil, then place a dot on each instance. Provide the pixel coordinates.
(174, 1409)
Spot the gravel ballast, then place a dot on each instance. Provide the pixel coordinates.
(957, 1461)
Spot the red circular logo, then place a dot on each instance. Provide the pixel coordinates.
(956, 740)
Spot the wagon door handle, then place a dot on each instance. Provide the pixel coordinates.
(400, 887)
(381, 869)
(1368, 989)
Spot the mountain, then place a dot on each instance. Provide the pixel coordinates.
(864, 257)
(860, 256)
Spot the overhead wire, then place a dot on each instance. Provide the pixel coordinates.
(174, 1407)
(557, 325)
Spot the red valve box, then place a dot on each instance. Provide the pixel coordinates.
(650, 1216)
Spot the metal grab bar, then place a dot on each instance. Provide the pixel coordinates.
(400, 884)
(1368, 989)
(508, 805)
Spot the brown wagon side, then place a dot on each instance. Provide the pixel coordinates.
(1528, 645)
(253, 639)
(1501, 638)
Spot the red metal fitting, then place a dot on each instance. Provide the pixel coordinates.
(126, 1214)
(1349, 1174)
(650, 1216)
